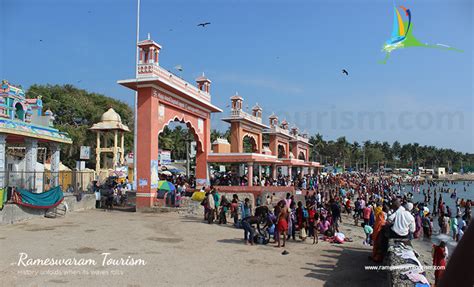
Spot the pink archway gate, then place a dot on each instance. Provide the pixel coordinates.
(162, 98)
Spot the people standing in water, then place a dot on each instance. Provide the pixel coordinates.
(427, 226)
(453, 224)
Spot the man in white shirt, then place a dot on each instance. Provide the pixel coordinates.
(400, 224)
(403, 221)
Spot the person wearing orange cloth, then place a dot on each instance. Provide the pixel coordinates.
(380, 216)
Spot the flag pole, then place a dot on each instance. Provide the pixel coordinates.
(135, 125)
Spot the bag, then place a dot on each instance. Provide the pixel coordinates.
(305, 213)
(303, 233)
(198, 196)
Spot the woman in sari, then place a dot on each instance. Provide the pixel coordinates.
(418, 225)
(439, 260)
(377, 254)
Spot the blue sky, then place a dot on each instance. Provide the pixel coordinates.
(285, 55)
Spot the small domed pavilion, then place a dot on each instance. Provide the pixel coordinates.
(110, 122)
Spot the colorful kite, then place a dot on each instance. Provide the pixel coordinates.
(402, 36)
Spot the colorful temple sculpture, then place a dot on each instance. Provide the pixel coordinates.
(23, 123)
(284, 152)
(110, 125)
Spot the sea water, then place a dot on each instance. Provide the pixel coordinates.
(459, 186)
(464, 190)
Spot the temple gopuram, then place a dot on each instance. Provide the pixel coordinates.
(23, 123)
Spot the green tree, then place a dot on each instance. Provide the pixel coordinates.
(75, 111)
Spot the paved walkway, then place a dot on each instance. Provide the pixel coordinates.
(179, 251)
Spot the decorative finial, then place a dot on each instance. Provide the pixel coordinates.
(148, 36)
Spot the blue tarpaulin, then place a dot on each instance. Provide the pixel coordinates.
(44, 200)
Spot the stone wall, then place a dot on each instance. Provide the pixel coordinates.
(392, 259)
(87, 202)
(12, 213)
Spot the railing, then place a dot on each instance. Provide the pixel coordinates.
(277, 129)
(300, 138)
(242, 114)
(172, 78)
(40, 181)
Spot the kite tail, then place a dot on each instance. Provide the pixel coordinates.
(384, 61)
(444, 47)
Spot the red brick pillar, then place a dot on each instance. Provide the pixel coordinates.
(147, 147)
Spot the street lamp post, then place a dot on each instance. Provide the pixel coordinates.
(135, 121)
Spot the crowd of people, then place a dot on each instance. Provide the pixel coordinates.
(384, 207)
(232, 179)
(112, 192)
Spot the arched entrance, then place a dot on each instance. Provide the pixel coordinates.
(281, 151)
(249, 144)
(163, 98)
(178, 140)
(301, 156)
(19, 112)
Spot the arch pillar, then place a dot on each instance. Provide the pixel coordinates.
(201, 171)
(250, 173)
(147, 148)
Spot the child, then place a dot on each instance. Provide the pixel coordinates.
(303, 231)
(368, 230)
(324, 226)
(315, 228)
(234, 211)
(223, 210)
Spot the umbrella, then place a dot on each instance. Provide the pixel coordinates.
(166, 185)
(165, 172)
(175, 170)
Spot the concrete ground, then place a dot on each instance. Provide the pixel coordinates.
(178, 250)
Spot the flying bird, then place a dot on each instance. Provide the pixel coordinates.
(204, 24)
(179, 68)
(345, 72)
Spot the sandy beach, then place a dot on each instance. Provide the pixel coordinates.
(178, 250)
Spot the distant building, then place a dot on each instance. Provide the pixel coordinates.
(440, 172)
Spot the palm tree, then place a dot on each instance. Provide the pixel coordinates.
(318, 146)
(355, 153)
